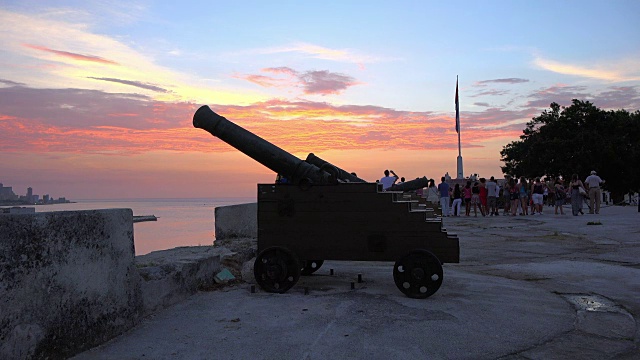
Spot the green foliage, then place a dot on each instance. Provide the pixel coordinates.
(575, 140)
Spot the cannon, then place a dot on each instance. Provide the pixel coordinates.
(325, 214)
(341, 175)
(411, 185)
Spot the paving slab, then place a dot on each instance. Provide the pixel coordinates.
(527, 287)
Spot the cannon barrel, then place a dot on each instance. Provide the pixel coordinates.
(416, 184)
(262, 151)
(342, 175)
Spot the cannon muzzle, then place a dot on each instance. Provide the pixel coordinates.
(262, 151)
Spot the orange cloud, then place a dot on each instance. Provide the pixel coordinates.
(71, 55)
(88, 121)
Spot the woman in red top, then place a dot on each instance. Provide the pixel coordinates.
(483, 197)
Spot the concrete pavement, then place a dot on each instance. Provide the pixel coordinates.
(527, 287)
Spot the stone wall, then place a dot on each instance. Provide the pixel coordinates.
(67, 281)
(170, 276)
(236, 221)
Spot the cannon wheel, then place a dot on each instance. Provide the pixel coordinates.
(418, 274)
(310, 266)
(276, 269)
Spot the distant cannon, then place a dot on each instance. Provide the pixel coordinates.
(411, 185)
(326, 213)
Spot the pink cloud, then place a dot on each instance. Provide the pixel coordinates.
(561, 94)
(493, 92)
(282, 70)
(265, 81)
(139, 84)
(325, 82)
(89, 121)
(74, 120)
(501, 81)
(71, 55)
(321, 82)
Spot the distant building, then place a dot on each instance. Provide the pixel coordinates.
(6, 193)
(8, 197)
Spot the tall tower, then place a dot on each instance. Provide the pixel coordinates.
(29, 194)
(460, 172)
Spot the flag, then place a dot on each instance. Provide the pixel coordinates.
(457, 109)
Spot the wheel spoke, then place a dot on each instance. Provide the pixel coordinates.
(310, 266)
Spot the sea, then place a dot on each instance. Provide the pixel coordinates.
(181, 222)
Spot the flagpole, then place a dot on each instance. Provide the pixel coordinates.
(460, 171)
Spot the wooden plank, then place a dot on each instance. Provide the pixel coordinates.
(334, 247)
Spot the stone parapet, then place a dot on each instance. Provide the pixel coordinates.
(170, 276)
(236, 221)
(67, 281)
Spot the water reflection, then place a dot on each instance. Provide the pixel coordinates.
(181, 222)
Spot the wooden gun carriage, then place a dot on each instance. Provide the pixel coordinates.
(325, 213)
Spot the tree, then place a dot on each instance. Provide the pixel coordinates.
(575, 140)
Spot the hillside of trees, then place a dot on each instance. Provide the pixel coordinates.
(576, 140)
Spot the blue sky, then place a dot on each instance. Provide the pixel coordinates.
(370, 84)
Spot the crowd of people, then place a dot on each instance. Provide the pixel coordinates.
(515, 197)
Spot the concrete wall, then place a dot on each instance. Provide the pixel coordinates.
(236, 221)
(170, 276)
(67, 281)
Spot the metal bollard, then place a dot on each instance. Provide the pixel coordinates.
(359, 278)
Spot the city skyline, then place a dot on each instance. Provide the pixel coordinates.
(9, 196)
(97, 97)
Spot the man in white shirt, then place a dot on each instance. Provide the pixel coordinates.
(388, 181)
(593, 183)
(492, 196)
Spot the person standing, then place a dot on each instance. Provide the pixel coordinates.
(593, 182)
(524, 195)
(466, 191)
(492, 196)
(432, 193)
(457, 200)
(515, 196)
(483, 196)
(498, 189)
(576, 196)
(551, 190)
(443, 189)
(560, 196)
(506, 195)
(475, 199)
(537, 196)
(387, 181)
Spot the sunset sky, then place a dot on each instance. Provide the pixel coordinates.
(97, 97)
